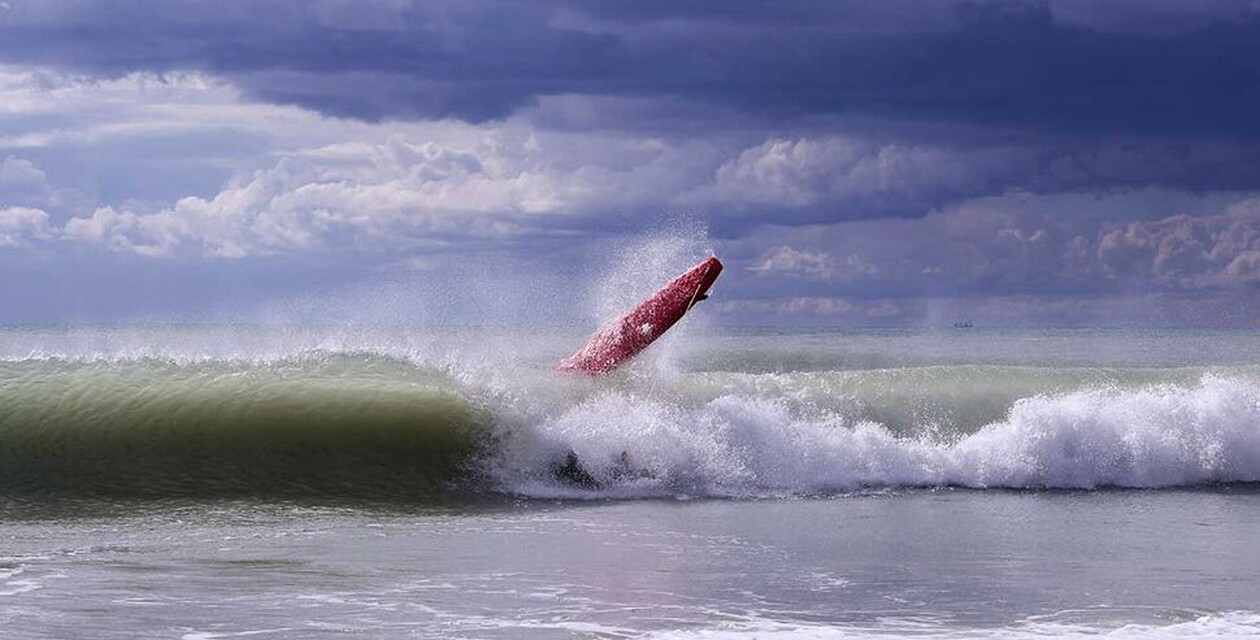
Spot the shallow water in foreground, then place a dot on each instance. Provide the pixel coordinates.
(1133, 564)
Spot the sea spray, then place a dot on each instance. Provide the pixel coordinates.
(739, 445)
(639, 269)
(411, 413)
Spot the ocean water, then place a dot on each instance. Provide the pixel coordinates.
(253, 481)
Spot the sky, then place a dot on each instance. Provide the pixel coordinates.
(854, 163)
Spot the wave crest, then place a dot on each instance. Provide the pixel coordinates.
(363, 424)
(315, 426)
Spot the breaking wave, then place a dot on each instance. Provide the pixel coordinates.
(1163, 435)
(415, 424)
(315, 425)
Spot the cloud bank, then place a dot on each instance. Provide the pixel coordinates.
(854, 161)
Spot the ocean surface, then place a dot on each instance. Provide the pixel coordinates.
(270, 481)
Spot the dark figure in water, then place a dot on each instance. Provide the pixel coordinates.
(572, 472)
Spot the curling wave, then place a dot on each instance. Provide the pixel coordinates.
(365, 423)
(316, 425)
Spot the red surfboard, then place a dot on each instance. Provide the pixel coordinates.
(624, 339)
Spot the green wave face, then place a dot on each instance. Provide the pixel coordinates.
(457, 418)
(341, 425)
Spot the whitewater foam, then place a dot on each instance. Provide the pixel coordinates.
(182, 409)
(1237, 624)
(742, 445)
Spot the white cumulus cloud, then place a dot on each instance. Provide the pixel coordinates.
(19, 226)
(374, 196)
(810, 171)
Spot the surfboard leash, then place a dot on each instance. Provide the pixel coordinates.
(692, 303)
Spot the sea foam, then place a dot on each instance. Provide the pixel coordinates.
(745, 445)
(1239, 624)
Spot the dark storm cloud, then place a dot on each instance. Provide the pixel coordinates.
(1051, 67)
(851, 160)
(802, 181)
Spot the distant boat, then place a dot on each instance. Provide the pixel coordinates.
(965, 324)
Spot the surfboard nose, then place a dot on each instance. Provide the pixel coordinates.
(712, 269)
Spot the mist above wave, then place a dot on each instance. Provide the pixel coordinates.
(701, 412)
